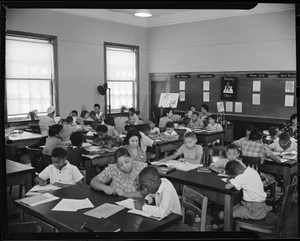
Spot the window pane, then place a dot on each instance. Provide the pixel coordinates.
(121, 94)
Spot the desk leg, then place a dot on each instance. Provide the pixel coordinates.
(157, 152)
(222, 139)
(28, 181)
(228, 210)
(205, 141)
(88, 165)
(286, 176)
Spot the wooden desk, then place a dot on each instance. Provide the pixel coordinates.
(72, 221)
(25, 139)
(17, 173)
(211, 186)
(102, 160)
(207, 136)
(285, 169)
(137, 126)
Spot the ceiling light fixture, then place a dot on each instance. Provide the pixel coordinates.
(143, 13)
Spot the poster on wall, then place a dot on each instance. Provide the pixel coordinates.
(168, 100)
(228, 88)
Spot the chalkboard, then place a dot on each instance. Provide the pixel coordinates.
(272, 92)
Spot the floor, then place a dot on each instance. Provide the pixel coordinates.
(292, 222)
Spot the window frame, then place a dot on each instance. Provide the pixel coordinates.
(54, 82)
(136, 83)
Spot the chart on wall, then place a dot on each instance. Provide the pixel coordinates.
(168, 100)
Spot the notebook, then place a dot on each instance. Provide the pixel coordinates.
(182, 166)
(203, 169)
(103, 225)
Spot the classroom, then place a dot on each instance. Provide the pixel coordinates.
(174, 95)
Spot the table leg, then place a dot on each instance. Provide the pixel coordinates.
(228, 210)
(205, 141)
(157, 152)
(88, 165)
(222, 139)
(286, 177)
(28, 181)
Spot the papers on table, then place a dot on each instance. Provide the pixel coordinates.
(57, 119)
(127, 203)
(224, 179)
(104, 211)
(38, 199)
(182, 166)
(85, 144)
(72, 205)
(223, 175)
(37, 189)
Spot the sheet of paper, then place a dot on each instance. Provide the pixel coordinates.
(238, 107)
(289, 100)
(57, 119)
(289, 86)
(229, 106)
(220, 106)
(223, 175)
(93, 148)
(256, 85)
(182, 96)
(104, 211)
(49, 196)
(85, 144)
(206, 85)
(72, 205)
(127, 203)
(92, 156)
(38, 188)
(205, 96)
(181, 85)
(144, 214)
(255, 99)
(224, 179)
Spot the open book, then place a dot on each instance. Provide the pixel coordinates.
(182, 166)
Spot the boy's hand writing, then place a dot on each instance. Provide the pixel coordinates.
(42, 182)
(138, 204)
(59, 184)
(109, 190)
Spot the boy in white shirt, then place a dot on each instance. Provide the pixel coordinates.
(154, 130)
(284, 143)
(185, 123)
(61, 173)
(170, 129)
(168, 114)
(145, 140)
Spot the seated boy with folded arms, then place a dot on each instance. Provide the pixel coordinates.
(61, 173)
(162, 199)
(284, 143)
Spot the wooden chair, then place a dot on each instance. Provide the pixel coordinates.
(25, 227)
(255, 163)
(36, 159)
(210, 155)
(274, 224)
(295, 194)
(193, 200)
(47, 159)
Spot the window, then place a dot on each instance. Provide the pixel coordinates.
(121, 75)
(30, 78)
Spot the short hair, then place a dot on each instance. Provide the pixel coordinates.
(273, 130)
(55, 129)
(293, 116)
(102, 128)
(191, 135)
(92, 113)
(186, 120)
(149, 171)
(122, 151)
(170, 124)
(166, 111)
(59, 152)
(250, 127)
(232, 168)
(83, 112)
(190, 106)
(76, 138)
(130, 134)
(69, 119)
(195, 113)
(132, 110)
(213, 116)
(255, 134)
(145, 128)
(232, 147)
(109, 121)
(205, 106)
(284, 136)
(74, 111)
(96, 105)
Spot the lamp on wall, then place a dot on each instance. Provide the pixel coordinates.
(102, 91)
(143, 13)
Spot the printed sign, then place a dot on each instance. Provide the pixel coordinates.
(228, 88)
(168, 100)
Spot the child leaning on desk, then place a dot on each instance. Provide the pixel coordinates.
(122, 176)
(284, 143)
(61, 173)
(103, 140)
(163, 198)
(170, 129)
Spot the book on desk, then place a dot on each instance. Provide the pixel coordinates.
(164, 169)
(178, 165)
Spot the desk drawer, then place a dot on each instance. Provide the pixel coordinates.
(47, 228)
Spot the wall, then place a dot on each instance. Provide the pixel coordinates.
(80, 53)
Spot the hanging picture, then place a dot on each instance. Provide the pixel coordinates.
(228, 88)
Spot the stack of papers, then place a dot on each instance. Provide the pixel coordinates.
(38, 199)
(37, 189)
(182, 166)
(104, 211)
(72, 205)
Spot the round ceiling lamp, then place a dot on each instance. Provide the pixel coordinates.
(143, 13)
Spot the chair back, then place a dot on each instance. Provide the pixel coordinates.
(36, 159)
(11, 153)
(47, 159)
(285, 206)
(295, 194)
(189, 197)
(253, 162)
(180, 132)
(206, 157)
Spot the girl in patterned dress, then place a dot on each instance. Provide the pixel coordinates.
(122, 176)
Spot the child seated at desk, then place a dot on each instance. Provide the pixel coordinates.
(110, 123)
(170, 129)
(75, 151)
(253, 205)
(213, 126)
(185, 123)
(196, 122)
(54, 139)
(239, 142)
(69, 128)
(191, 152)
(103, 140)
(192, 109)
(132, 117)
(162, 199)
(76, 120)
(154, 130)
(122, 176)
(145, 140)
(167, 117)
(274, 133)
(61, 173)
(284, 143)
(204, 113)
(91, 116)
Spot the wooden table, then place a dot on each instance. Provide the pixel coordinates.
(209, 136)
(17, 173)
(137, 126)
(101, 160)
(211, 186)
(25, 139)
(73, 221)
(285, 169)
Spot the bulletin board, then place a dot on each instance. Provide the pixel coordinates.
(261, 94)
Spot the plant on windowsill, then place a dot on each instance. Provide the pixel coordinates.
(33, 115)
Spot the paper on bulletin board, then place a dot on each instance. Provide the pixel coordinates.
(205, 96)
(256, 85)
(220, 106)
(182, 96)
(181, 85)
(206, 85)
(229, 106)
(289, 100)
(238, 107)
(168, 100)
(289, 86)
(256, 99)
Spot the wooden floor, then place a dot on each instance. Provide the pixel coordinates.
(292, 222)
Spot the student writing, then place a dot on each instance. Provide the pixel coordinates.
(104, 140)
(69, 128)
(170, 129)
(284, 143)
(195, 122)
